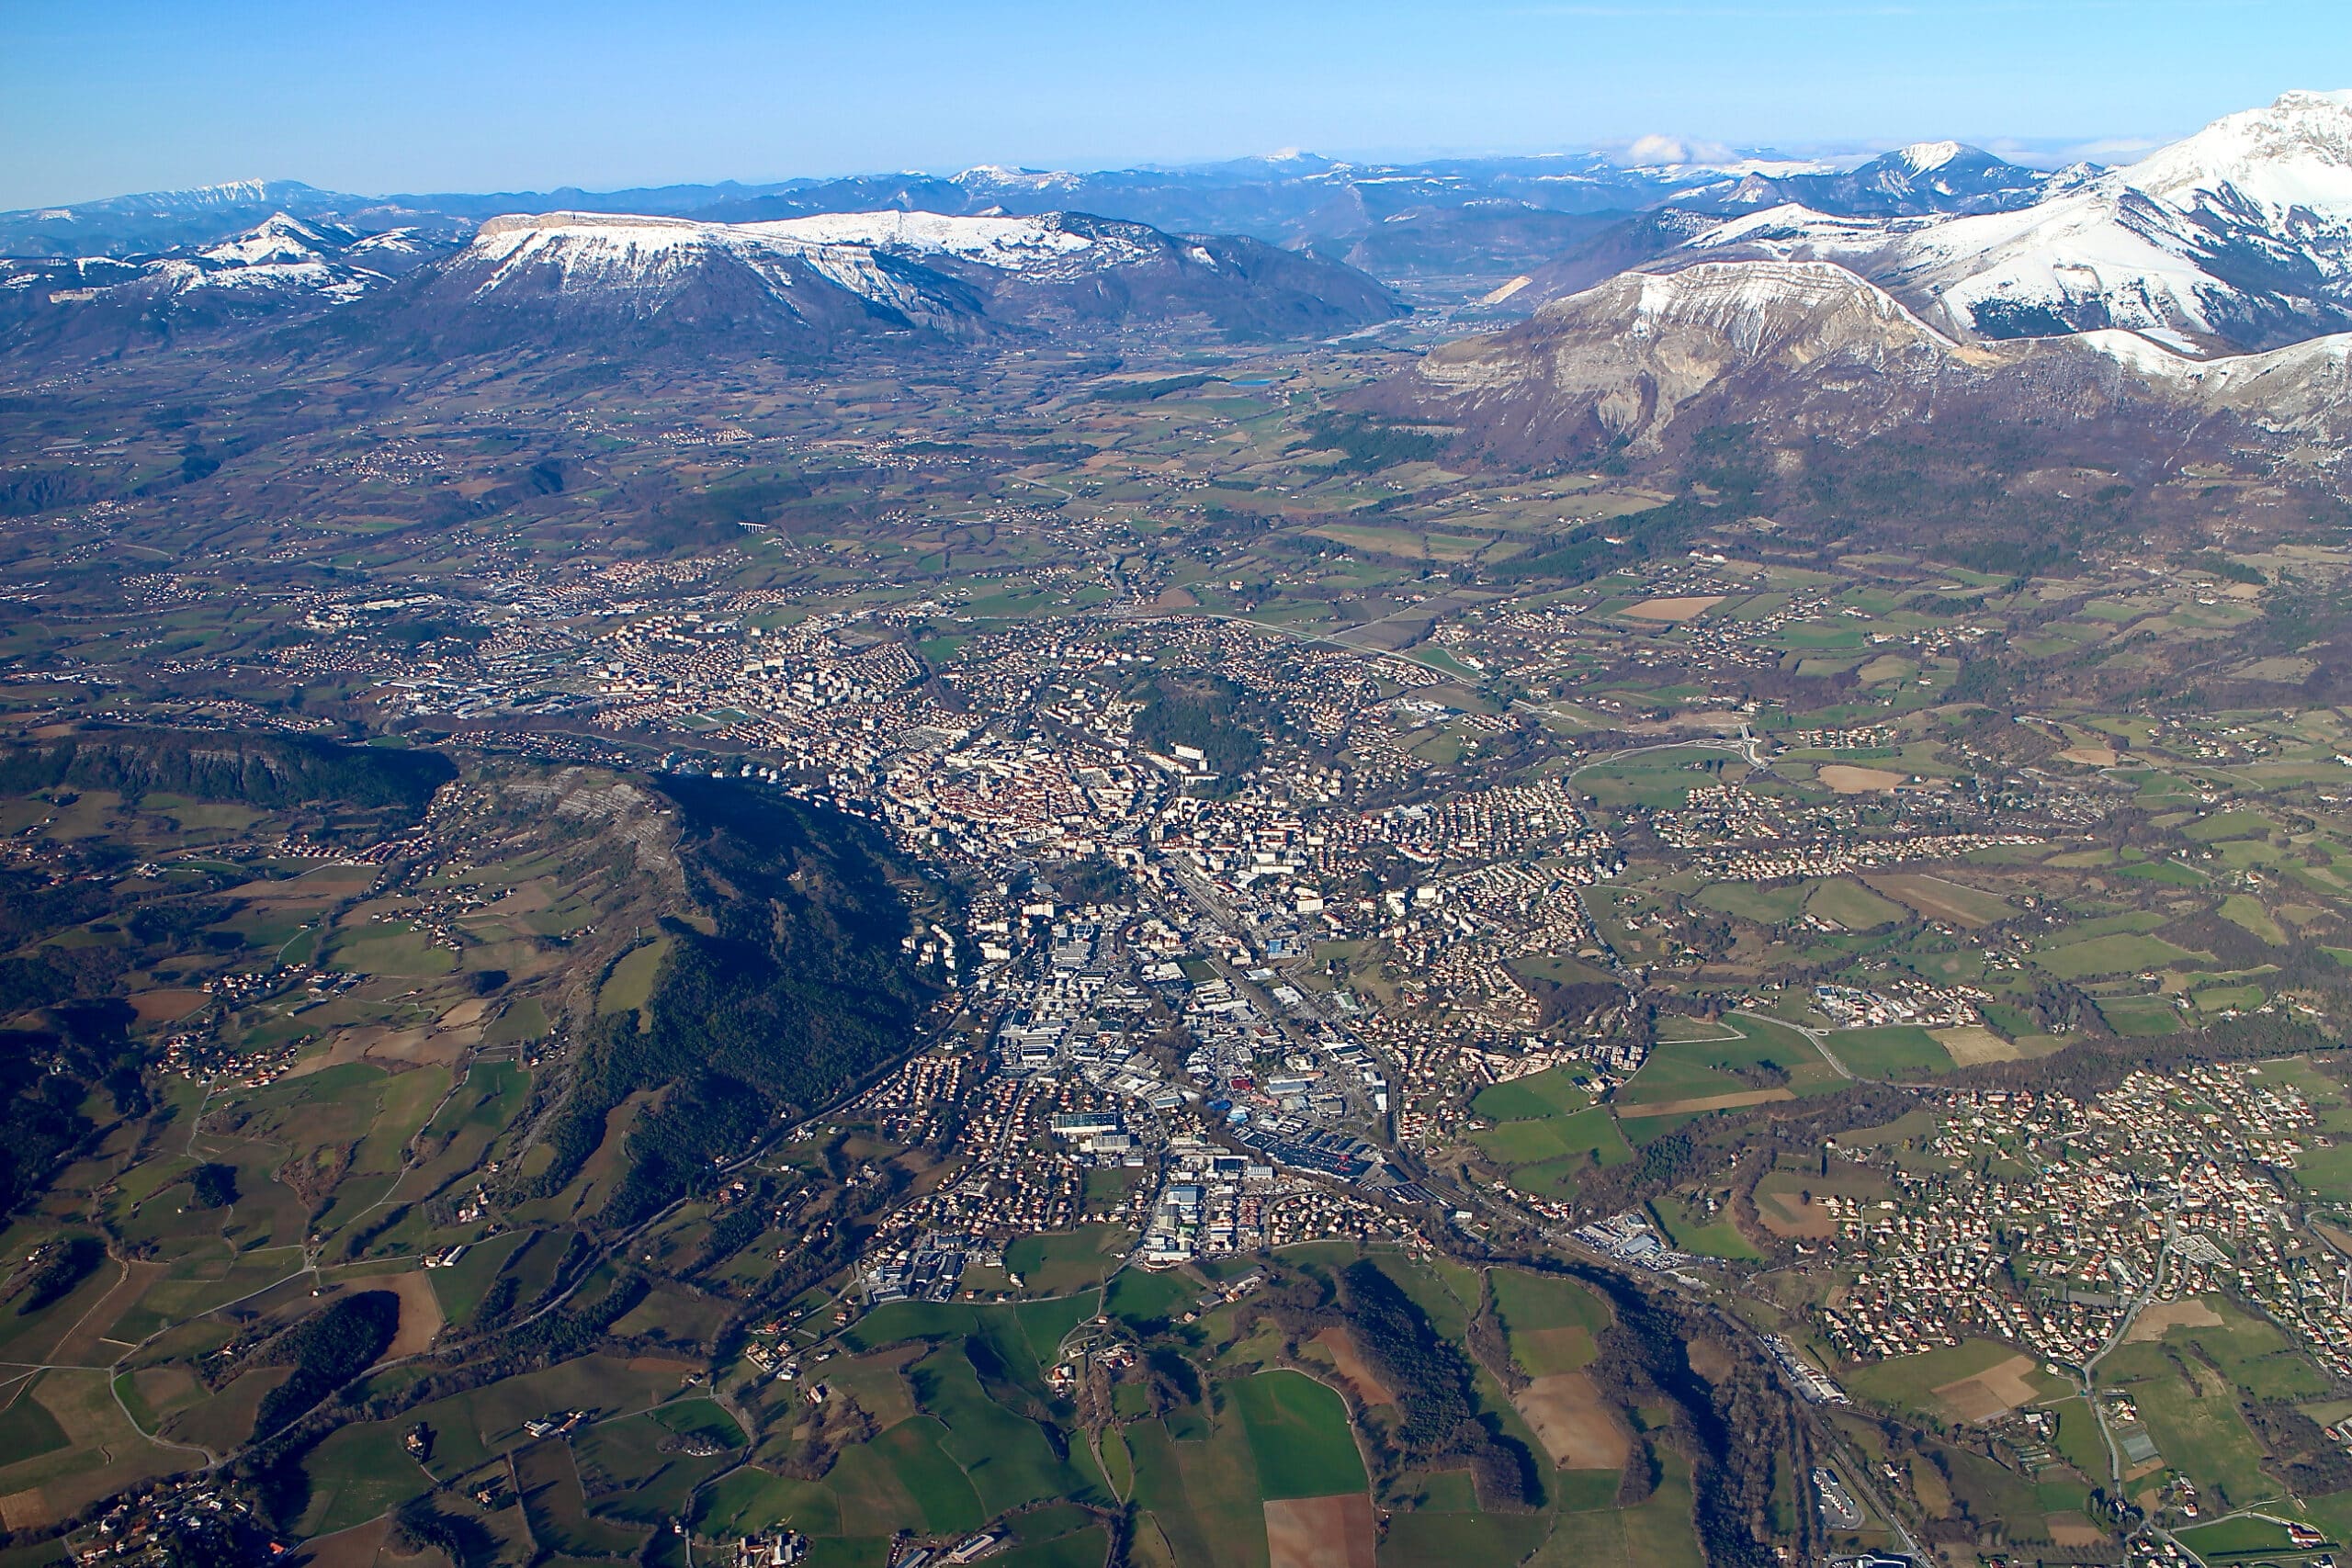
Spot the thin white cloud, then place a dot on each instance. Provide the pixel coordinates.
(1643, 152)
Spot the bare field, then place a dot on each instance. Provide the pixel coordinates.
(1791, 1217)
(1671, 610)
(2073, 1529)
(1972, 1044)
(1992, 1393)
(1353, 1370)
(1941, 900)
(1847, 779)
(1574, 1423)
(2155, 1318)
(1322, 1532)
(163, 1007)
(419, 1314)
(1705, 1102)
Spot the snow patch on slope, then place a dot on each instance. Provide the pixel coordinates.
(1743, 302)
(1009, 243)
(1923, 156)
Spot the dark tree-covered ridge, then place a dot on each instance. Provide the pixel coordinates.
(799, 989)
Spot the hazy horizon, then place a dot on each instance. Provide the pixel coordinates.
(133, 95)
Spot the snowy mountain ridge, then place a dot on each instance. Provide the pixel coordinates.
(645, 257)
(1809, 349)
(2236, 238)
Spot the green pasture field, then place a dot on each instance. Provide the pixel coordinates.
(1676, 1028)
(1700, 1069)
(623, 1464)
(1659, 780)
(1044, 1325)
(1145, 1299)
(1690, 1071)
(2143, 1016)
(750, 1502)
(1563, 970)
(1058, 1262)
(2166, 872)
(1853, 906)
(458, 1138)
(523, 1019)
(628, 987)
(1200, 1493)
(910, 1459)
(27, 1430)
(896, 1321)
(2080, 1442)
(2229, 1539)
(1759, 905)
(1893, 1051)
(2253, 1354)
(675, 1315)
(1656, 1533)
(1553, 1149)
(1552, 1092)
(2214, 998)
(2235, 824)
(2125, 920)
(1552, 1325)
(1526, 1301)
(2119, 955)
(1717, 1238)
(1910, 1382)
(1023, 1336)
(358, 1472)
(2244, 910)
(2192, 1414)
(1299, 1434)
(1429, 1539)
(1080, 1549)
(548, 1481)
(403, 953)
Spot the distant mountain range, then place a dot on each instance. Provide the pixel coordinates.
(1298, 199)
(810, 281)
(2200, 300)
(2237, 237)
(2236, 240)
(110, 275)
(794, 286)
(1478, 213)
(1807, 350)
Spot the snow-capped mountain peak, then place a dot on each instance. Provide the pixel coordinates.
(276, 238)
(2293, 154)
(995, 177)
(1922, 156)
(2238, 237)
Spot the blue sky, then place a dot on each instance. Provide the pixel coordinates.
(103, 96)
